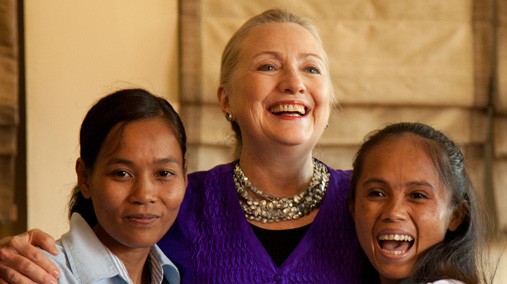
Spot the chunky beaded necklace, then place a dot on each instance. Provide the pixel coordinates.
(267, 208)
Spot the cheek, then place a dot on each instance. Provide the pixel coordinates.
(364, 208)
(107, 201)
(364, 222)
(249, 88)
(246, 102)
(322, 109)
(363, 226)
(435, 222)
(321, 92)
(107, 195)
(174, 197)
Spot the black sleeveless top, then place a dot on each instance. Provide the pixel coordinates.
(280, 243)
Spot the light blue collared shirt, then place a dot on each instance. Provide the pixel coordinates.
(83, 258)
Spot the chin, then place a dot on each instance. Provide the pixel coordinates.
(140, 244)
(392, 275)
(140, 241)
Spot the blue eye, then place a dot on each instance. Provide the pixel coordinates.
(313, 70)
(266, 67)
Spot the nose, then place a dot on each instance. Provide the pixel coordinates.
(394, 210)
(143, 191)
(292, 81)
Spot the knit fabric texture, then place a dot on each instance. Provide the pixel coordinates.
(212, 242)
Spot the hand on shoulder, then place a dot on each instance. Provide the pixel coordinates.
(21, 260)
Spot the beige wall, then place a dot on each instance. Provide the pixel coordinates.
(77, 51)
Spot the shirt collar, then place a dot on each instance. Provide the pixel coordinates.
(90, 260)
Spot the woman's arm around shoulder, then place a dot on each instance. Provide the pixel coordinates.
(22, 262)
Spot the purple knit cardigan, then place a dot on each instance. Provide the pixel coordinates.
(211, 241)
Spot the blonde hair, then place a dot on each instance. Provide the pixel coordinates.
(232, 50)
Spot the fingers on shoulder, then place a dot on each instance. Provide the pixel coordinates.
(9, 275)
(41, 239)
(24, 272)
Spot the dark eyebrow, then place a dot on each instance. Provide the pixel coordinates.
(119, 161)
(409, 184)
(374, 180)
(422, 183)
(167, 160)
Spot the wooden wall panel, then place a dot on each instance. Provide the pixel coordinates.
(8, 107)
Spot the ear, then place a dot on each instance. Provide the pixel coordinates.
(457, 217)
(83, 178)
(223, 99)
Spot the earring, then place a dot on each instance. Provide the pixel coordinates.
(228, 116)
(327, 125)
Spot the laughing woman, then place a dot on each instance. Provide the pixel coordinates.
(416, 213)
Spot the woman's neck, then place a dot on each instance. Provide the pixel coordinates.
(137, 265)
(135, 260)
(280, 176)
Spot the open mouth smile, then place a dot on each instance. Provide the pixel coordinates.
(289, 109)
(394, 244)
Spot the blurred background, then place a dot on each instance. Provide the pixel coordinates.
(439, 62)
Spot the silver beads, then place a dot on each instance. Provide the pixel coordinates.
(267, 208)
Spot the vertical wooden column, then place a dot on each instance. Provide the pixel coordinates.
(8, 107)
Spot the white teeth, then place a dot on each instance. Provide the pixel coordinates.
(289, 108)
(395, 237)
(394, 252)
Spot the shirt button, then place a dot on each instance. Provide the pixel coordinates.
(277, 277)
